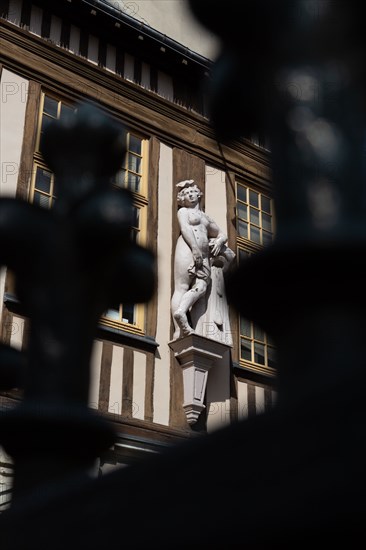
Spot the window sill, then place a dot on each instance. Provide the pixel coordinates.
(254, 372)
(13, 304)
(118, 335)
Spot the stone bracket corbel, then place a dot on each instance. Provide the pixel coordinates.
(196, 355)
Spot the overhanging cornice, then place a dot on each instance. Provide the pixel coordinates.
(146, 31)
(131, 35)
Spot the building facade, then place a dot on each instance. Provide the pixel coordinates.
(154, 82)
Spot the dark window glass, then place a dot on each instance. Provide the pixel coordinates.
(254, 216)
(242, 193)
(243, 229)
(50, 106)
(128, 313)
(135, 145)
(266, 204)
(259, 353)
(245, 327)
(253, 198)
(242, 211)
(246, 350)
(266, 222)
(258, 333)
(255, 234)
(43, 180)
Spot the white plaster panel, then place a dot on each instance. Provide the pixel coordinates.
(115, 389)
(74, 42)
(259, 400)
(129, 69)
(17, 329)
(242, 400)
(13, 102)
(111, 58)
(55, 31)
(35, 24)
(93, 46)
(95, 364)
(215, 196)
(14, 11)
(139, 385)
(165, 86)
(218, 394)
(161, 397)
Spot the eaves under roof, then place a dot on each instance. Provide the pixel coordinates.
(132, 35)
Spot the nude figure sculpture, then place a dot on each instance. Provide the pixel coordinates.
(200, 246)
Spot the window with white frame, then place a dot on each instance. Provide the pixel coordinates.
(255, 229)
(133, 176)
(254, 215)
(43, 189)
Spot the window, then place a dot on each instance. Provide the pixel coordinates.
(255, 229)
(43, 187)
(254, 215)
(255, 345)
(133, 175)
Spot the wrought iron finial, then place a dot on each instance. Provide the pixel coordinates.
(308, 98)
(71, 263)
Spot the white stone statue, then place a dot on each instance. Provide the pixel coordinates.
(201, 257)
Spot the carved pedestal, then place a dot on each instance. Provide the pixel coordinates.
(196, 355)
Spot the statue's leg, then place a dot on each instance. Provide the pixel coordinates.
(176, 329)
(187, 301)
(182, 322)
(180, 291)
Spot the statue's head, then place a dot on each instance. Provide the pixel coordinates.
(182, 186)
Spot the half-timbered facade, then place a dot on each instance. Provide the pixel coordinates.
(54, 56)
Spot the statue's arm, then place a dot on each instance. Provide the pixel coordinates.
(188, 235)
(214, 232)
